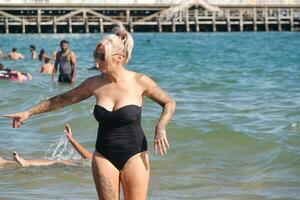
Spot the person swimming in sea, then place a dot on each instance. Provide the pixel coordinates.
(48, 67)
(85, 154)
(34, 55)
(11, 75)
(15, 55)
(42, 55)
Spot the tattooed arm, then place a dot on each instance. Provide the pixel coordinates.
(152, 91)
(73, 96)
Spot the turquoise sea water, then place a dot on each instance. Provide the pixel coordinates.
(235, 133)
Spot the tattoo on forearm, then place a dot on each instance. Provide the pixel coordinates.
(166, 115)
(168, 108)
(76, 95)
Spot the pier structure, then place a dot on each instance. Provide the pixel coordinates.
(191, 16)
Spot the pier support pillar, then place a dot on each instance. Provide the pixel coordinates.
(127, 15)
(279, 19)
(159, 25)
(173, 24)
(241, 21)
(180, 16)
(292, 19)
(131, 25)
(254, 19)
(23, 26)
(101, 28)
(187, 21)
(54, 25)
(228, 21)
(196, 19)
(214, 25)
(86, 22)
(70, 25)
(266, 12)
(39, 19)
(6, 26)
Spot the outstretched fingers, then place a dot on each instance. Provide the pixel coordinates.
(68, 131)
(161, 146)
(18, 118)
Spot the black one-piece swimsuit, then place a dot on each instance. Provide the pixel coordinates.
(120, 135)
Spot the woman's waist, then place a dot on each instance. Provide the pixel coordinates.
(120, 131)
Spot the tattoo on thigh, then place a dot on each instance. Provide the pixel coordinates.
(106, 189)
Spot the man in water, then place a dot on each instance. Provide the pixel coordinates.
(66, 60)
(34, 55)
(14, 55)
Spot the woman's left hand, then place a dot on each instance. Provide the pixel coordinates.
(161, 144)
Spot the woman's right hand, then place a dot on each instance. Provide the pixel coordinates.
(18, 118)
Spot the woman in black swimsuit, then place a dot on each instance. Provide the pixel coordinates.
(121, 148)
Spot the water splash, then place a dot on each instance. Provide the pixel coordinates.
(293, 124)
(61, 149)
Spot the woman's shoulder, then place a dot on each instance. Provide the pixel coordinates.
(93, 78)
(141, 78)
(91, 83)
(137, 76)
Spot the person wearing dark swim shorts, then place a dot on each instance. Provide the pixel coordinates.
(120, 156)
(65, 61)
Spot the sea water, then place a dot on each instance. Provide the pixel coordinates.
(235, 133)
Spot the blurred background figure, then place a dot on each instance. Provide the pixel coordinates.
(47, 68)
(8, 74)
(34, 55)
(42, 55)
(15, 55)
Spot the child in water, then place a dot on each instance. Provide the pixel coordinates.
(47, 68)
(42, 162)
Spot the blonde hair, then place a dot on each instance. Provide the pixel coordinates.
(120, 41)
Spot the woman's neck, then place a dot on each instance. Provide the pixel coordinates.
(117, 75)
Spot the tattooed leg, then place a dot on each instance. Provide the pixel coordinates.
(106, 178)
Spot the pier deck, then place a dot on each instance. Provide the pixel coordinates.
(92, 18)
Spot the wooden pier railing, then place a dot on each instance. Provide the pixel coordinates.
(147, 18)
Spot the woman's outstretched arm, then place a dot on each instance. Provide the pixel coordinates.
(80, 149)
(73, 96)
(152, 91)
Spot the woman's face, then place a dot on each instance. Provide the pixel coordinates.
(104, 65)
(100, 60)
